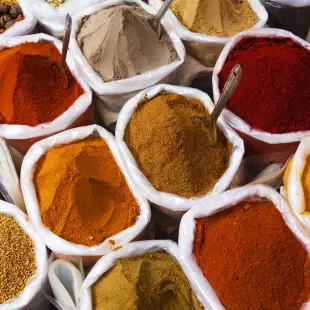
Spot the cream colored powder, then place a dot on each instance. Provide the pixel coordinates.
(222, 18)
(119, 43)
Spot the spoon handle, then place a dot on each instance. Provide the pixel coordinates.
(66, 40)
(162, 11)
(229, 87)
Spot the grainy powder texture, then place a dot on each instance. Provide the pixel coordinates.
(274, 93)
(34, 90)
(172, 146)
(222, 18)
(252, 259)
(150, 281)
(82, 193)
(119, 43)
(17, 258)
(305, 180)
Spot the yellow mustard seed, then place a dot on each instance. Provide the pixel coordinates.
(17, 258)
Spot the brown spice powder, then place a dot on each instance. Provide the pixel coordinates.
(173, 148)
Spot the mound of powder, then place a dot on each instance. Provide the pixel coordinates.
(274, 93)
(17, 258)
(172, 146)
(119, 43)
(148, 281)
(82, 193)
(252, 259)
(222, 18)
(34, 89)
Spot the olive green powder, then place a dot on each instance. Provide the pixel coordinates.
(17, 258)
(150, 281)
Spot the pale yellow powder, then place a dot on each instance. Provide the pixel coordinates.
(222, 18)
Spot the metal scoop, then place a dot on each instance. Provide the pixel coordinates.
(65, 45)
(155, 21)
(229, 87)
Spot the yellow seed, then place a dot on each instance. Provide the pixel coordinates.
(17, 258)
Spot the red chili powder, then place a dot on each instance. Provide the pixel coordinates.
(274, 91)
(252, 259)
(33, 87)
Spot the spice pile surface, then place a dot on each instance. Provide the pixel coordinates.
(55, 3)
(17, 258)
(252, 259)
(148, 281)
(82, 193)
(34, 89)
(10, 13)
(119, 43)
(222, 18)
(305, 181)
(172, 146)
(274, 93)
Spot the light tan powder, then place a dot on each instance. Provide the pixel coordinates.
(222, 18)
(119, 43)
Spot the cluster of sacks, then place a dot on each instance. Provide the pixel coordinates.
(206, 269)
(70, 175)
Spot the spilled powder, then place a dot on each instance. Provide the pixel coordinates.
(173, 148)
(82, 193)
(149, 281)
(222, 18)
(119, 43)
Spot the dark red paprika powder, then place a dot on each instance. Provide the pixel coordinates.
(274, 92)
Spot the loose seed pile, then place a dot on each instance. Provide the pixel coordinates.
(10, 13)
(17, 258)
(55, 3)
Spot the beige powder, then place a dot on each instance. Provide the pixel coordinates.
(119, 43)
(222, 18)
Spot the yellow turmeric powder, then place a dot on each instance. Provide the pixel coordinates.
(305, 179)
(82, 193)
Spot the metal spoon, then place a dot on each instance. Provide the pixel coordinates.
(155, 21)
(229, 87)
(65, 45)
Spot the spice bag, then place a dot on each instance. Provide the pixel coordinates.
(129, 250)
(24, 26)
(65, 280)
(171, 203)
(9, 180)
(31, 297)
(292, 189)
(219, 203)
(21, 137)
(114, 94)
(53, 19)
(54, 242)
(291, 15)
(204, 47)
(257, 141)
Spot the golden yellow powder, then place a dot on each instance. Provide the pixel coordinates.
(222, 18)
(305, 179)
